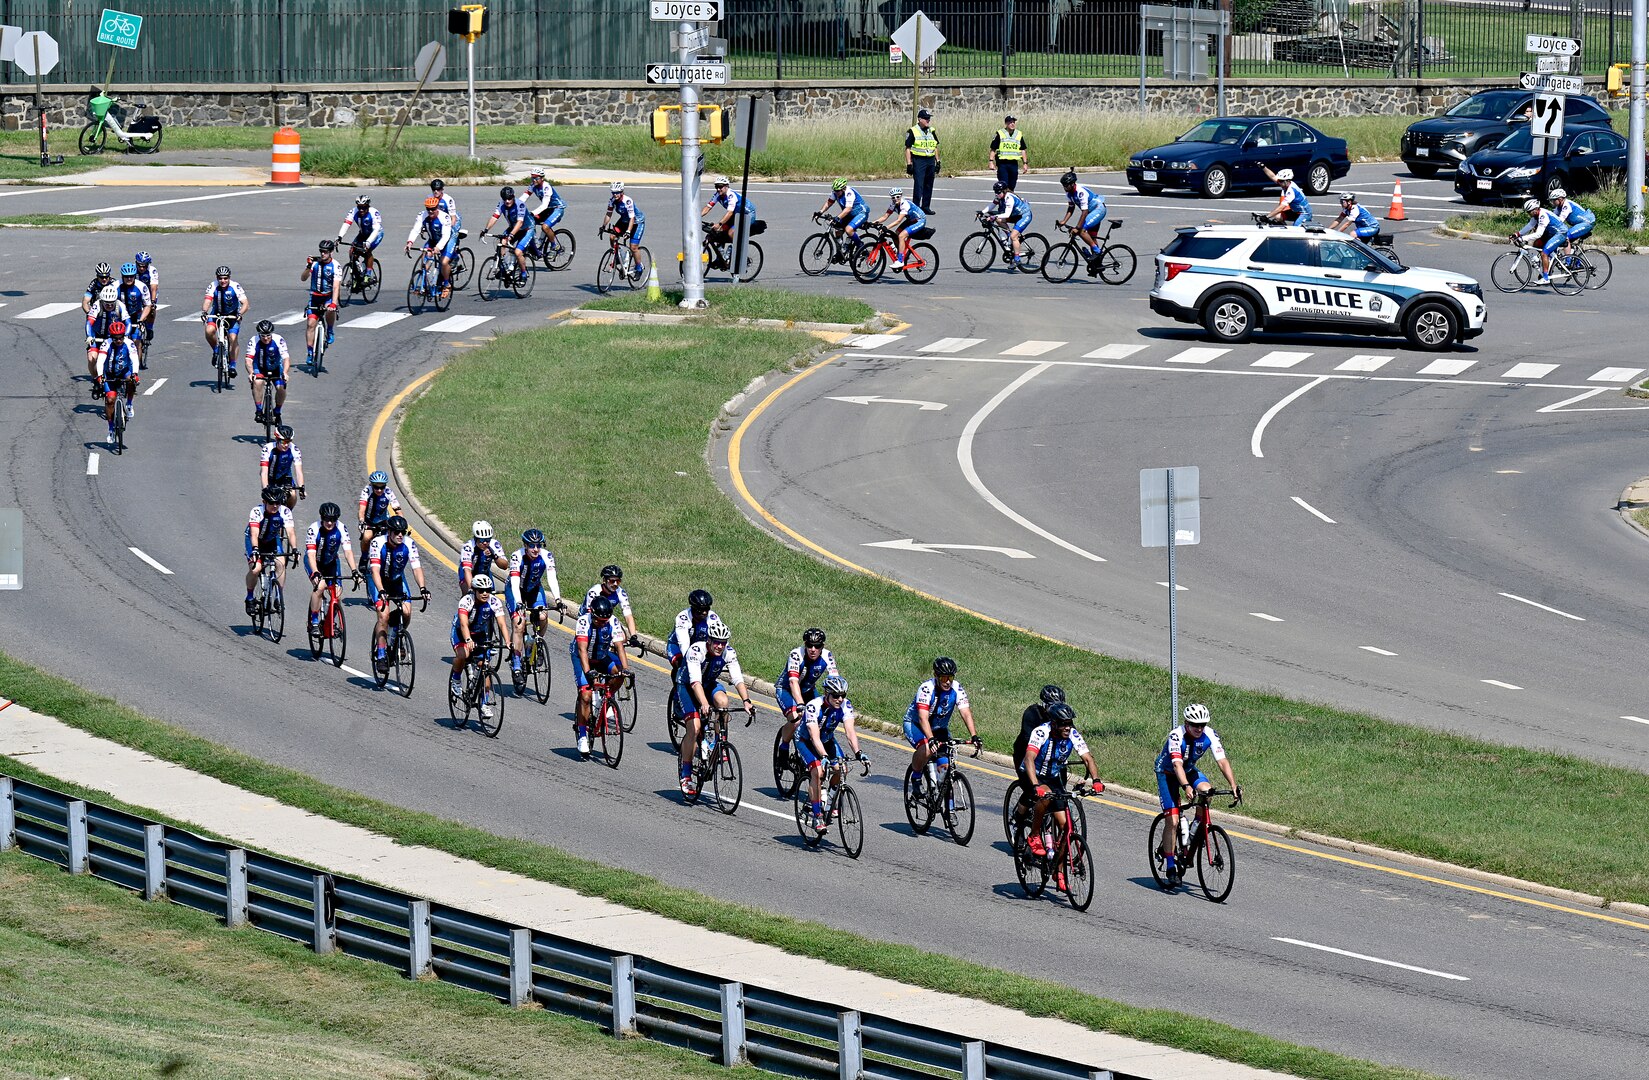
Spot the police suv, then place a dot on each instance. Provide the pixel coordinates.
(1237, 279)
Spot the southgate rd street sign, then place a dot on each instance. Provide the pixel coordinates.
(698, 74)
(1552, 84)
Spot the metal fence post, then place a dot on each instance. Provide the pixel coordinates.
(418, 942)
(732, 1025)
(973, 1060)
(850, 1055)
(324, 938)
(8, 813)
(520, 967)
(624, 996)
(154, 862)
(234, 881)
(78, 861)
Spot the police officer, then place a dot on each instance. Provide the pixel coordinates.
(922, 159)
(1008, 153)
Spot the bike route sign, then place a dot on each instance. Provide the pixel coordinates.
(119, 28)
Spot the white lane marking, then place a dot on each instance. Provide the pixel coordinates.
(952, 344)
(288, 318)
(1259, 428)
(1542, 607)
(764, 810)
(1365, 362)
(162, 307)
(150, 561)
(1033, 348)
(1502, 685)
(1280, 359)
(1636, 719)
(193, 316)
(1114, 352)
(37, 191)
(376, 320)
(872, 399)
(1308, 508)
(1446, 367)
(170, 202)
(1529, 371)
(157, 384)
(1615, 374)
(964, 458)
(1263, 615)
(1556, 405)
(1376, 650)
(363, 675)
(1196, 356)
(1177, 586)
(457, 324)
(871, 341)
(909, 544)
(1370, 959)
(91, 464)
(47, 311)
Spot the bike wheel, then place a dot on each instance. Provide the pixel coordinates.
(148, 143)
(1031, 871)
(1016, 790)
(1062, 262)
(1602, 267)
(458, 700)
(787, 768)
(539, 659)
(869, 264)
(275, 624)
(441, 298)
(562, 257)
(1569, 275)
(487, 278)
(606, 273)
(1153, 853)
(338, 642)
(629, 704)
(1117, 264)
(369, 288)
(811, 837)
(1510, 272)
(1079, 816)
(405, 664)
(1033, 250)
(317, 364)
(727, 779)
(1216, 865)
(816, 253)
(672, 716)
(220, 370)
(918, 811)
(850, 821)
(958, 808)
(640, 269)
(493, 697)
(927, 264)
(317, 634)
(120, 425)
(978, 252)
(93, 138)
(1079, 872)
(463, 267)
(523, 283)
(611, 730)
(416, 291)
(752, 261)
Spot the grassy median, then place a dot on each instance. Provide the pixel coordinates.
(1608, 204)
(748, 302)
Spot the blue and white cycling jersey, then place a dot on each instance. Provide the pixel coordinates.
(687, 630)
(369, 226)
(449, 207)
(1013, 210)
(1364, 224)
(282, 464)
(483, 619)
(807, 676)
(629, 215)
(323, 274)
(825, 721)
(515, 211)
(700, 665)
(734, 202)
(1053, 755)
(548, 198)
(1295, 200)
(265, 532)
(226, 300)
(1546, 224)
(910, 212)
(442, 230)
(1186, 752)
(1576, 218)
(532, 580)
(601, 644)
(325, 547)
(620, 599)
(941, 706)
(267, 361)
(479, 557)
(393, 562)
(376, 509)
(1089, 204)
(851, 201)
(135, 295)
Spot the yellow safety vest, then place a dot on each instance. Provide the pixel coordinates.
(923, 143)
(1008, 145)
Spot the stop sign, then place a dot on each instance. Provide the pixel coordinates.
(36, 53)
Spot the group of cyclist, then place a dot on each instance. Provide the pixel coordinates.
(120, 322)
(1558, 227)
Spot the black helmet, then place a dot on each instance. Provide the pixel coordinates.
(999, 187)
(814, 637)
(1061, 714)
(944, 665)
(1069, 179)
(330, 511)
(328, 246)
(533, 538)
(397, 524)
(223, 271)
(601, 607)
(265, 326)
(274, 493)
(437, 185)
(612, 570)
(363, 200)
(284, 432)
(506, 193)
(699, 600)
(1052, 695)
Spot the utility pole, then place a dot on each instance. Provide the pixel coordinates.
(1634, 130)
(692, 242)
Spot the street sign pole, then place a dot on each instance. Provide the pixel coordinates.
(916, 76)
(1173, 614)
(1160, 526)
(430, 62)
(40, 102)
(692, 243)
(472, 96)
(742, 222)
(1634, 128)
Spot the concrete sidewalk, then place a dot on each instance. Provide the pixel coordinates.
(61, 751)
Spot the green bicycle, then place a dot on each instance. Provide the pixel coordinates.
(142, 136)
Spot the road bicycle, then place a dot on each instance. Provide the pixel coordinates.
(942, 793)
(1519, 269)
(619, 265)
(1199, 841)
(269, 599)
(717, 764)
(870, 262)
(1067, 860)
(500, 276)
(222, 357)
(822, 250)
(1598, 260)
(142, 136)
(120, 417)
(478, 690)
(788, 773)
(425, 288)
(330, 633)
(318, 320)
(359, 278)
(718, 254)
(993, 243)
(841, 805)
(1111, 263)
(535, 660)
(557, 254)
(606, 716)
(266, 413)
(400, 663)
(1014, 808)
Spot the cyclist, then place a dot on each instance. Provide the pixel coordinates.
(369, 233)
(324, 282)
(1044, 764)
(721, 232)
(1035, 715)
(1012, 212)
(224, 300)
(440, 236)
(282, 464)
(476, 626)
(612, 576)
(449, 205)
(927, 719)
(595, 647)
(326, 549)
(631, 223)
(148, 275)
(1088, 206)
(99, 321)
(374, 507)
(389, 559)
(1292, 208)
(697, 691)
(551, 207)
(817, 738)
(797, 685)
(266, 359)
(116, 373)
(1177, 769)
(139, 305)
(269, 535)
(481, 553)
(692, 623)
(1576, 218)
(907, 218)
(103, 275)
(533, 589)
(513, 209)
(1355, 218)
(1549, 234)
(853, 211)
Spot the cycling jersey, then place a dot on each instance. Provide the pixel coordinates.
(532, 580)
(601, 644)
(483, 620)
(442, 232)
(96, 286)
(1364, 224)
(97, 323)
(1294, 199)
(688, 630)
(1012, 209)
(1551, 232)
(515, 211)
(149, 277)
(134, 295)
(1187, 753)
(620, 599)
(376, 508)
(469, 555)
(323, 275)
(116, 362)
(369, 226)
(850, 200)
(449, 206)
(1086, 200)
(282, 464)
(941, 706)
(265, 533)
(1576, 218)
(267, 360)
(393, 562)
(625, 209)
(699, 665)
(325, 546)
(1054, 755)
(1035, 716)
(226, 300)
(825, 721)
(548, 199)
(734, 202)
(911, 213)
(806, 674)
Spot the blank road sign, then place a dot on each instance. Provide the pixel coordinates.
(1153, 507)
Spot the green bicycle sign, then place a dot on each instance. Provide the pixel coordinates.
(119, 29)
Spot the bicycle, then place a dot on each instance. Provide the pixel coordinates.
(269, 599)
(400, 662)
(1015, 808)
(1519, 269)
(1598, 260)
(719, 253)
(559, 254)
(269, 423)
(120, 420)
(142, 137)
(841, 805)
(619, 264)
(871, 262)
(221, 356)
(463, 263)
(981, 250)
(606, 717)
(947, 795)
(788, 773)
(1114, 264)
(331, 633)
(358, 277)
(425, 285)
(717, 762)
(478, 686)
(1069, 861)
(822, 250)
(318, 318)
(500, 274)
(1199, 840)
(535, 661)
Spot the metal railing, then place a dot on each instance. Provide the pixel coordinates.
(624, 993)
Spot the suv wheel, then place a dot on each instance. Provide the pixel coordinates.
(1229, 318)
(1216, 182)
(1431, 325)
(1318, 178)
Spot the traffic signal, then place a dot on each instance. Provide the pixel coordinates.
(468, 22)
(1616, 79)
(715, 128)
(712, 129)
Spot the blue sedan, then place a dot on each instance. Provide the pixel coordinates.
(1230, 152)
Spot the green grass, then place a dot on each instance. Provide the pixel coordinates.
(749, 302)
(94, 982)
(1608, 204)
(105, 718)
(60, 221)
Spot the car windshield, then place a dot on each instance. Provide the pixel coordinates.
(1485, 106)
(1520, 141)
(1229, 132)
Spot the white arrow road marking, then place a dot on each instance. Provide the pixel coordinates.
(1376, 650)
(150, 561)
(1636, 719)
(1542, 607)
(1177, 586)
(872, 399)
(156, 385)
(1370, 959)
(909, 544)
(1308, 508)
(1259, 429)
(1502, 685)
(1263, 615)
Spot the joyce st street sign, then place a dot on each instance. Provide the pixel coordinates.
(685, 10)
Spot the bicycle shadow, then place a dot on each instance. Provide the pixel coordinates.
(254, 440)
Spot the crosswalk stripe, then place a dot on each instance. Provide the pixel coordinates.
(457, 324)
(46, 311)
(1365, 362)
(1114, 352)
(951, 344)
(288, 318)
(1280, 359)
(1529, 371)
(193, 316)
(1033, 348)
(1446, 367)
(375, 320)
(162, 307)
(1196, 356)
(871, 341)
(1616, 374)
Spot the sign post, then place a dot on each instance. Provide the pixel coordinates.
(750, 133)
(1169, 515)
(36, 54)
(689, 71)
(469, 21)
(121, 30)
(918, 39)
(1635, 118)
(430, 62)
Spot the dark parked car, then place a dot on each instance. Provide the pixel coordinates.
(1229, 152)
(1586, 159)
(1481, 121)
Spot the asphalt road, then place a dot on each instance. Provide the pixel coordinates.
(1493, 983)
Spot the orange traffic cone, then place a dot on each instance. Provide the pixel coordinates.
(1396, 211)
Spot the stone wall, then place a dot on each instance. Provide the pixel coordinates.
(619, 103)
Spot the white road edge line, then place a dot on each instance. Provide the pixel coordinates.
(1502, 685)
(964, 458)
(364, 675)
(1370, 959)
(1542, 607)
(1259, 429)
(765, 810)
(1636, 719)
(1376, 650)
(91, 464)
(160, 382)
(1308, 508)
(1556, 405)
(150, 561)
(1263, 615)
(171, 202)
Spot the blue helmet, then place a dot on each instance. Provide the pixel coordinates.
(128, 269)
(143, 258)
(379, 477)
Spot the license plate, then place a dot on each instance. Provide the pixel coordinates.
(1421, 151)
(1149, 174)
(1485, 185)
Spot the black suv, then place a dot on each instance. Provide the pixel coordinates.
(1480, 122)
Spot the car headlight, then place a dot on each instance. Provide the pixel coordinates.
(1136, 161)
(1471, 288)
(1182, 164)
(1457, 136)
(1522, 172)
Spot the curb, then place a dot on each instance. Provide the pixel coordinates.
(124, 225)
(1465, 234)
(597, 315)
(1636, 495)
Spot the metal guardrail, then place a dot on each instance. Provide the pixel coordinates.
(624, 993)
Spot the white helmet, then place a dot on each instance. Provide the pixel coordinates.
(723, 181)
(108, 294)
(1196, 714)
(1284, 175)
(896, 193)
(481, 583)
(482, 530)
(617, 188)
(1530, 205)
(716, 630)
(1557, 194)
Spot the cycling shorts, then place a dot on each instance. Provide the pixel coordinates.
(529, 600)
(317, 304)
(330, 571)
(913, 228)
(690, 708)
(857, 219)
(913, 731)
(1367, 232)
(113, 386)
(1020, 223)
(786, 701)
(551, 216)
(448, 247)
(231, 322)
(635, 235)
(1166, 784)
(258, 375)
(1551, 240)
(1093, 218)
(455, 639)
(1580, 232)
(364, 237)
(809, 758)
(607, 663)
(394, 589)
(265, 549)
